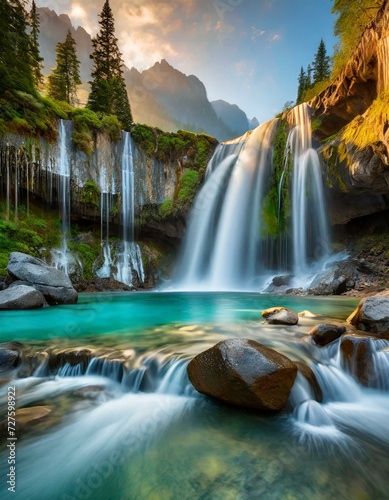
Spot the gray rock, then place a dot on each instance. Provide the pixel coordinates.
(58, 295)
(372, 315)
(282, 280)
(335, 281)
(244, 373)
(27, 268)
(280, 316)
(9, 356)
(324, 334)
(21, 297)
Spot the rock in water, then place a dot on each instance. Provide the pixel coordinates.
(372, 315)
(280, 316)
(324, 334)
(54, 284)
(21, 297)
(244, 373)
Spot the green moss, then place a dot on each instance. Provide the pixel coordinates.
(166, 208)
(367, 129)
(87, 254)
(143, 136)
(111, 125)
(90, 193)
(276, 207)
(334, 155)
(188, 185)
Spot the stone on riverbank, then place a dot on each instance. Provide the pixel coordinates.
(372, 315)
(19, 297)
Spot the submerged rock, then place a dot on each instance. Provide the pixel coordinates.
(324, 334)
(21, 297)
(280, 316)
(244, 373)
(372, 315)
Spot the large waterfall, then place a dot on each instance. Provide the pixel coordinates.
(242, 229)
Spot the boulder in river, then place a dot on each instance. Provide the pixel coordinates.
(372, 315)
(324, 333)
(358, 357)
(280, 316)
(244, 373)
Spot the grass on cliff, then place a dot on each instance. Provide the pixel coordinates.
(30, 233)
(367, 129)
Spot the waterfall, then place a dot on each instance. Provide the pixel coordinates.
(61, 257)
(106, 184)
(309, 217)
(222, 247)
(129, 258)
(237, 233)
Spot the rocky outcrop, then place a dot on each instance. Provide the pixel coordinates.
(341, 278)
(31, 282)
(244, 373)
(280, 316)
(324, 334)
(372, 315)
(353, 91)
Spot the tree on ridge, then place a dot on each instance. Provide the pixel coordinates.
(65, 77)
(108, 90)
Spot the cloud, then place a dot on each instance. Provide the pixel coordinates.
(274, 37)
(256, 33)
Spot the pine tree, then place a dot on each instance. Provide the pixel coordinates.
(15, 56)
(65, 77)
(36, 59)
(308, 77)
(321, 64)
(302, 81)
(108, 90)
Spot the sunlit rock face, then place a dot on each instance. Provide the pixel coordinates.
(362, 79)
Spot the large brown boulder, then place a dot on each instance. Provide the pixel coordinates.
(325, 333)
(244, 373)
(358, 357)
(372, 315)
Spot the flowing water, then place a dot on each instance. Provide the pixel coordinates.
(62, 257)
(126, 422)
(232, 241)
(129, 258)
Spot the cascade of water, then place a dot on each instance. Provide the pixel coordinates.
(62, 257)
(129, 258)
(105, 211)
(223, 243)
(309, 217)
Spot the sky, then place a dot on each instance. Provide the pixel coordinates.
(247, 52)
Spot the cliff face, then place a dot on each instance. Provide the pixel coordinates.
(30, 170)
(353, 109)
